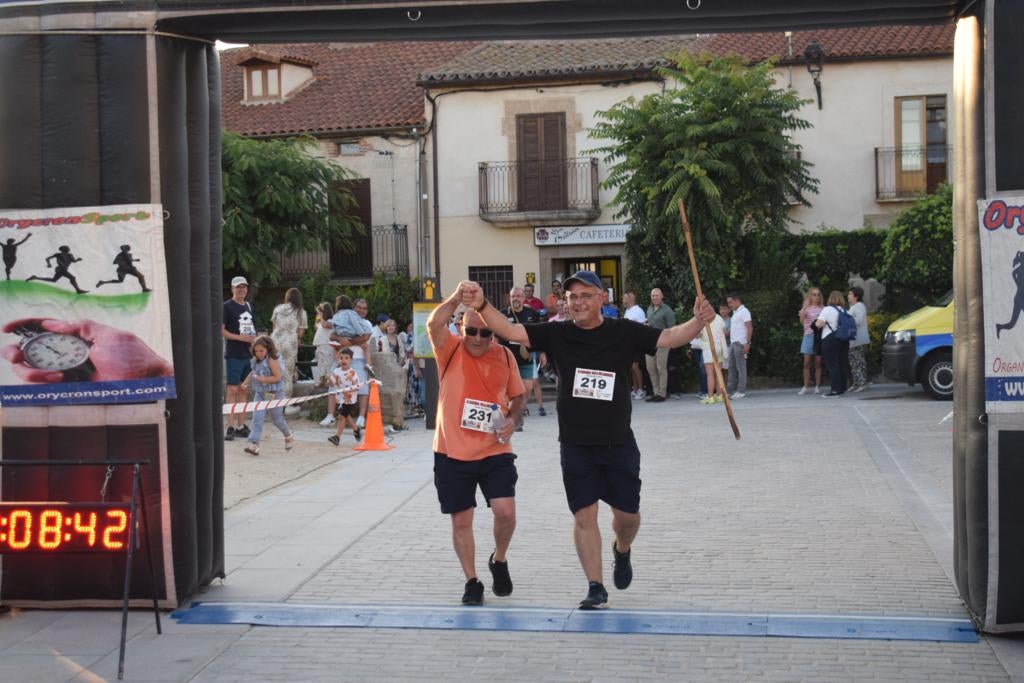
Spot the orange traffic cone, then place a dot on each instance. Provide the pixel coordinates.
(374, 439)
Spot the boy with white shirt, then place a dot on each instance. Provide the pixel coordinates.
(631, 311)
(741, 332)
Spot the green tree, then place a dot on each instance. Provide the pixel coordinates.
(278, 199)
(718, 138)
(917, 254)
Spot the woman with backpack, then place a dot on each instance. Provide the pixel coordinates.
(858, 362)
(834, 348)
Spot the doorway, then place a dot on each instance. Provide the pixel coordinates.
(608, 268)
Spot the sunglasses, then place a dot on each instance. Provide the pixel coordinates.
(473, 331)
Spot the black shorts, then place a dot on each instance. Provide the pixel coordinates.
(608, 473)
(347, 410)
(456, 480)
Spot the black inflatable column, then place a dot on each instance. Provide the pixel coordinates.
(188, 106)
(988, 452)
(98, 119)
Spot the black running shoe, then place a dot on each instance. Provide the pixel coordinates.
(242, 431)
(358, 433)
(474, 594)
(622, 568)
(502, 585)
(229, 435)
(597, 597)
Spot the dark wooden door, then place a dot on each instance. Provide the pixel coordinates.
(540, 142)
(360, 262)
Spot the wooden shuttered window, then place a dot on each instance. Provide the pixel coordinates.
(540, 142)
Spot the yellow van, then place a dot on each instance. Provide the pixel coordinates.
(918, 349)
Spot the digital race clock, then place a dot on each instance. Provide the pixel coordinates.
(63, 527)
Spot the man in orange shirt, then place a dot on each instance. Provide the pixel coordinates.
(480, 402)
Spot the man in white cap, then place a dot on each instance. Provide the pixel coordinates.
(239, 331)
(600, 460)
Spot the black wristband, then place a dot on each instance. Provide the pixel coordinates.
(482, 306)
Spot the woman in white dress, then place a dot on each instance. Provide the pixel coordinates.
(289, 322)
(718, 341)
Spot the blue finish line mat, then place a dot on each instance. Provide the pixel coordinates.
(657, 622)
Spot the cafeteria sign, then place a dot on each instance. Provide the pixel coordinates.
(580, 234)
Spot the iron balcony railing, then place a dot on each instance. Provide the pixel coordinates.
(908, 172)
(383, 249)
(510, 187)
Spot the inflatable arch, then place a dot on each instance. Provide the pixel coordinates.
(116, 103)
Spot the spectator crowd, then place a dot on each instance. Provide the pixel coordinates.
(344, 339)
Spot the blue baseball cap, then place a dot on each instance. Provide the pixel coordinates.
(586, 277)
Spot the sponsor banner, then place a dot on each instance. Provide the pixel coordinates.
(421, 341)
(580, 234)
(84, 307)
(1001, 223)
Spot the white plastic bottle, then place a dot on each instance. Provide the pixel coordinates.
(498, 420)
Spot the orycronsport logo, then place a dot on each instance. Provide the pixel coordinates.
(88, 218)
(88, 393)
(1004, 389)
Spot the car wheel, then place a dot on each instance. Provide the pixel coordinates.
(937, 376)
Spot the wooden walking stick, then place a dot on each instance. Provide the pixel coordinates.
(707, 326)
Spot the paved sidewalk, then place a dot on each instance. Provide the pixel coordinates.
(827, 506)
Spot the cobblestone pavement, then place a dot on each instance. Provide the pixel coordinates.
(828, 506)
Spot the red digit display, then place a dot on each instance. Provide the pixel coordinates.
(63, 527)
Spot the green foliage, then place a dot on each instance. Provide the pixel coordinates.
(387, 294)
(775, 351)
(829, 257)
(278, 199)
(917, 253)
(717, 138)
(878, 323)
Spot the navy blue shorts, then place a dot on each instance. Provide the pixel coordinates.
(456, 480)
(237, 370)
(608, 473)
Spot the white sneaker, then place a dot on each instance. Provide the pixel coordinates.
(360, 422)
(817, 390)
(737, 395)
(327, 421)
(803, 391)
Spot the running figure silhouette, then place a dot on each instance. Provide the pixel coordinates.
(1018, 300)
(123, 261)
(64, 259)
(10, 249)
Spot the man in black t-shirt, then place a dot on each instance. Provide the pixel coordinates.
(518, 314)
(600, 459)
(238, 331)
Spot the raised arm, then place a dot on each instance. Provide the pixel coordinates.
(473, 297)
(437, 323)
(677, 335)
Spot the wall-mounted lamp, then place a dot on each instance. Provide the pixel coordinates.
(814, 58)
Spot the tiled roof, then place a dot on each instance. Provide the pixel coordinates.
(848, 43)
(255, 54)
(546, 59)
(374, 86)
(518, 60)
(355, 87)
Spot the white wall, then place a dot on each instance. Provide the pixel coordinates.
(474, 127)
(857, 116)
(390, 164)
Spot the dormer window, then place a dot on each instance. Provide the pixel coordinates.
(263, 81)
(272, 78)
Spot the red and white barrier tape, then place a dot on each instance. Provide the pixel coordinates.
(252, 406)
